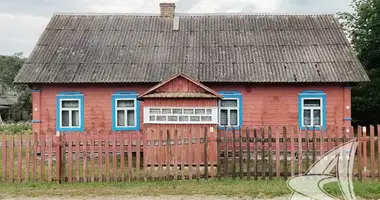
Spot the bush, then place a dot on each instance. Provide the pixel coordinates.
(16, 128)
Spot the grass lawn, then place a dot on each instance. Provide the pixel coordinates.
(238, 188)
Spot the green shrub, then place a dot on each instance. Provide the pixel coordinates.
(16, 128)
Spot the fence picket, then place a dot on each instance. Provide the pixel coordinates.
(359, 150)
(122, 157)
(233, 154)
(364, 136)
(262, 154)
(4, 156)
(27, 157)
(167, 157)
(372, 151)
(19, 158)
(138, 154)
(107, 158)
(42, 166)
(218, 155)
(378, 152)
(292, 151)
(100, 158)
(300, 166)
(114, 161)
(248, 154)
(130, 170)
(70, 157)
(11, 157)
(77, 155)
(285, 153)
(277, 153)
(307, 148)
(313, 145)
(198, 152)
(240, 155)
(205, 153)
(85, 157)
(255, 152)
(50, 158)
(270, 153)
(225, 152)
(190, 153)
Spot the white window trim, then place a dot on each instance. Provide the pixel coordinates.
(214, 117)
(312, 112)
(61, 109)
(228, 112)
(125, 112)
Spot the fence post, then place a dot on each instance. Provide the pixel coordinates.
(205, 153)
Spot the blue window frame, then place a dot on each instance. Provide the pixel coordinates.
(230, 110)
(125, 112)
(312, 110)
(70, 111)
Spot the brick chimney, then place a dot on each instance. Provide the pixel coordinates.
(167, 9)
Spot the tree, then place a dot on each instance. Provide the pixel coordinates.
(9, 67)
(363, 28)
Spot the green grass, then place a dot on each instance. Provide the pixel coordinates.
(228, 187)
(16, 128)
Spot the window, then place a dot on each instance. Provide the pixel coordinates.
(230, 109)
(180, 115)
(70, 116)
(312, 110)
(125, 111)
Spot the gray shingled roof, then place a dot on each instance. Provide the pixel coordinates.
(125, 48)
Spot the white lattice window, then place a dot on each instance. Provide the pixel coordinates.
(125, 112)
(311, 112)
(176, 115)
(70, 113)
(229, 112)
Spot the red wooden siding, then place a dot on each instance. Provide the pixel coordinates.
(262, 105)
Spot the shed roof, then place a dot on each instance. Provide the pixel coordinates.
(134, 48)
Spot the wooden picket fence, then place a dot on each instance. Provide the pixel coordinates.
(195, 153)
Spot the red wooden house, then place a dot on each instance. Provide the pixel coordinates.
(126, 72)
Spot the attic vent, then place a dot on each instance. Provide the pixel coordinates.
(175, 23)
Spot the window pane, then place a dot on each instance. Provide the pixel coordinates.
(233, 117)
(177, 111)
(194, 118)
(166, 111)
(223, 117)
(209, 111)
(317, 117)
(200, 111)
(183, 118)
(152, 118)
(229, 103)
(172, 118)
(120, 118)
(311, 103)
(65, 119)
(75, 118)
(154, 111)
(125, 103)
(131, 118)
(307, 117)
(161, 118)
(188, 111)
(206, 118)
(70, 104)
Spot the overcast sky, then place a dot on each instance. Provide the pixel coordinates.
(22, 21)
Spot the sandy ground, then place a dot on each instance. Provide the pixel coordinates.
(166, 197)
